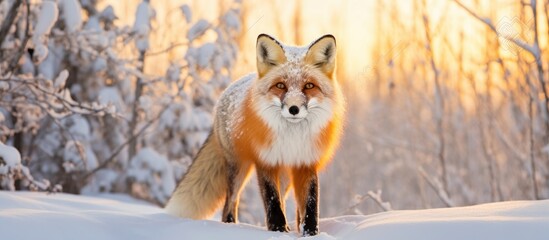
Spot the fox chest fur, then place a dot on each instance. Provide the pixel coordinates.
(257, 132)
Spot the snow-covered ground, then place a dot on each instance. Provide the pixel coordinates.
(26, 215)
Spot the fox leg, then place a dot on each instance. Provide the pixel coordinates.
(237, 177)
(305, 181)
(268, 179)
(284, 185)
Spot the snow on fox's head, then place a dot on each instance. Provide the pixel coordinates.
(296, 83)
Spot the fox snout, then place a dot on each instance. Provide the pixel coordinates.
(294, 106)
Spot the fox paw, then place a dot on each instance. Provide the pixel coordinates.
(279, 228)
(310, 231)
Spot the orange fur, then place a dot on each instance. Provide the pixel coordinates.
(251, 134)
(329, 140)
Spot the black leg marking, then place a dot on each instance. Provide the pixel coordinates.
(310, 224)
(276, 221)
(229, 218)
(229, 211)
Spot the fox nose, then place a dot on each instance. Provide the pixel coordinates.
(294, 110)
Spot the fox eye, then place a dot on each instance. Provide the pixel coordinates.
(280, 85)
(309, 86)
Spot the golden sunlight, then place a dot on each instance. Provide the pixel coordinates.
(428, 83)
(446, 101)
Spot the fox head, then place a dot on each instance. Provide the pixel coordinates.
(296, 84)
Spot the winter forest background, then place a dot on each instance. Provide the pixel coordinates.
(447, 100)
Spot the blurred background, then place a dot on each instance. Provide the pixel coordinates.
(447, 100)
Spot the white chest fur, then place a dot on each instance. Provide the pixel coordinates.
(294, 144)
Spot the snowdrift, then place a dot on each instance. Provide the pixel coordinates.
(25, 215)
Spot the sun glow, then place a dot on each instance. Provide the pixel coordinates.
(371, 35)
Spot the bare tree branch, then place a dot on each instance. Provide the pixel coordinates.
(386, 206)
(134, 116)
(14, 62)
(69, 104)
(437, 186)
(175, 45)
(488, 22)
(439, 101)
(8, 21)
(375, 196)
(531, 143)
(534, 50)
(134, 136)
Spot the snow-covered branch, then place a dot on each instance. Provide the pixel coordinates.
(375, 196)
(79, 95)
(436, 185)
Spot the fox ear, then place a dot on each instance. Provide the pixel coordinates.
(322, 53)
(269, 54)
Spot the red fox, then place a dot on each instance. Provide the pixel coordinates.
(285, 121)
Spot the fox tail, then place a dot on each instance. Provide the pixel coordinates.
(204, 186)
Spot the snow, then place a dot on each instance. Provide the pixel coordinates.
(141, 26)
(102, 182)
(205, 54)
(45, 20)
(295, 54)
(59, 82)
(82, 36)
(11, 167)
(232, 21)
(173, 72)
(110, 95)
(9, 155)
(198, 29)
(187, 13)
(72, 15)
(4, 86)
(108, 14)
(93, 23)
(40, 53)
(154, 170)
(100, 63)
(108, 216)
(72, 156)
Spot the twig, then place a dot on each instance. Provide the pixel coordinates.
(376, 197)
(124, 144)
(539, 66)
(132, 137)
(534, 50)
(437, 186)
(13, 64)
(175, 45)
(8, 21)
(68, 104)
(67, 132)
(439, 102)
(490, 25)
(386, 206)
(135, 107)
(531, 143)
